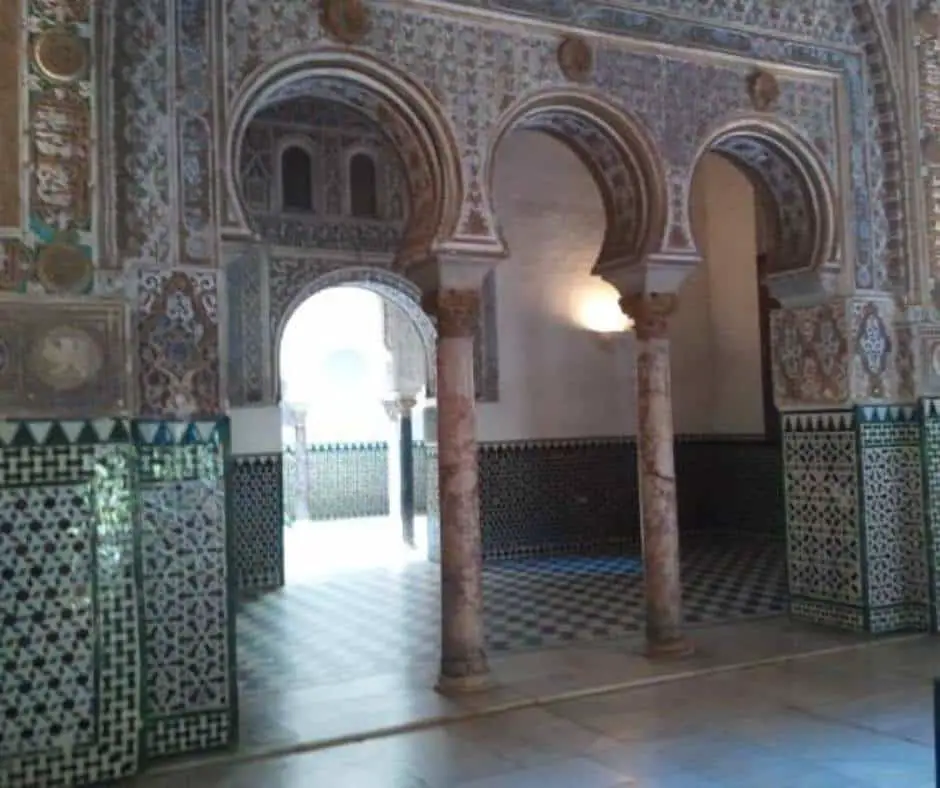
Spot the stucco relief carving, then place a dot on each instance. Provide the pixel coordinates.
(62, 131)
(427, 53)
(872, 350)
(928, 68)
(177, 322)
(810, 352)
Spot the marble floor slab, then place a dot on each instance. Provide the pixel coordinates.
(856, 715)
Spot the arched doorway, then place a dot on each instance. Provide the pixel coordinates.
(319, 181)
(758, 211)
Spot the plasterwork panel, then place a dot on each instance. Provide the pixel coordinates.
(810, 355)
(62, 130)
(11, 48)
(928, 72)
(331, 133)
(178, 342)
(875, 98)
(194, 121)
(874, 375)
(62, 358)
(143, 149)
(512, 63)
(246, 287)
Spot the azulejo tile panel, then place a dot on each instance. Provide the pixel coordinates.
(824, 549)
(857, 546)
(68, 603)
(256, 492)
(930, 411)
(188, 627)
(893, 518)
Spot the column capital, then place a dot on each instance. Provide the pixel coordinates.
(457, 311)
(396, 407)
(650, 313)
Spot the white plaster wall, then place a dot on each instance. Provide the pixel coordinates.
(556, 379)
(716, 336)
(256, 430)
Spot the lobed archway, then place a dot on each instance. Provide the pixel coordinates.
(797, 195)
(616, 149)
(410, 117)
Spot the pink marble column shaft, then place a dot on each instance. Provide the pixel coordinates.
(658, 509)
(463, 660)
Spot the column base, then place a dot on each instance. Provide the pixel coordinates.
(464, 678)
(677, 648)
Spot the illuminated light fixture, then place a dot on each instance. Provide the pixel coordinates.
(600, 313)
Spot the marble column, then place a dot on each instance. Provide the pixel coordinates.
(657, 476)
(406, 465)
(463, 659)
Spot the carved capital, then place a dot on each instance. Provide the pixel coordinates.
(457, 311)
(650, 313)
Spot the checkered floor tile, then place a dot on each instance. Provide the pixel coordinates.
(368, 622)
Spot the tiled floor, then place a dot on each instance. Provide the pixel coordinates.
(858, 718)
(337, 624)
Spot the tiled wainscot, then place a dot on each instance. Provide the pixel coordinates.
(116, 623)
(855, 521)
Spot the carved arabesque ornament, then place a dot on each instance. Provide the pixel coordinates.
(763, 90)
(575, 58)
(347, 21)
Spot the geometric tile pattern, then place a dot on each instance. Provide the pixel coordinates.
(344, 480)
(930, 409)
(895, 568)
(256, 490)
(368, 622)
(68, 602)
(544, 497)
(857, 552)
(821, 490)
(189, 702)
(557, 497)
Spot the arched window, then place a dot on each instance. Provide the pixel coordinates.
(363, 200)
(296, 180)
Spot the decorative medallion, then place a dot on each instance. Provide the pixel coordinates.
(763, 90)
(930, 148)
(66, 358)
(575, 58)
(63, 267)
(345, 20)
(61, 55)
